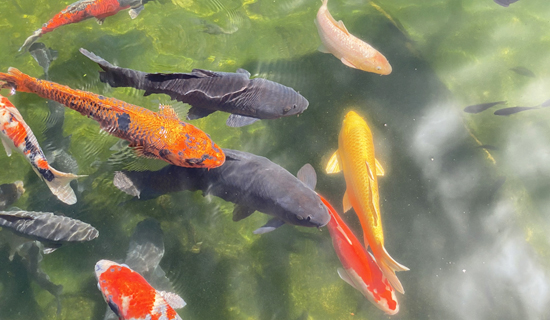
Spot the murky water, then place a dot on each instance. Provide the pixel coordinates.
(469, 222)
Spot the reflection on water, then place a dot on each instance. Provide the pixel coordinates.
(471, 223)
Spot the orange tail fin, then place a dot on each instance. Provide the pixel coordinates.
(389, 266)
(15, 79)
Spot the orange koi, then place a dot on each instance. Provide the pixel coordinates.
(16, 135)
(355, 156)
(82, 10)
(360, 269)
(159, 135)
(131, 297)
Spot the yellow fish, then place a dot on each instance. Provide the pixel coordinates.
(352, 51)
(355, 156)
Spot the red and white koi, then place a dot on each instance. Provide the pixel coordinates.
(16, 135)
(130, 296)
(360, 269)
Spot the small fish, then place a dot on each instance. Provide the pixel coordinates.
(145, 252)
(154, 135)
(505, 3)
(52, 230)
(130, 296)
(43, 55)
(10, 192)
(248, 100)
(512, 110)
(545, 104)
(360, 269)
(355, 156)
(352, 51)
(251, 182)
(477, 108)
(16, 135)
(82, 10)
(524, 72)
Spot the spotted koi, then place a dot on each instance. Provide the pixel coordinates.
(130, 296)
(82, 10)
(16, 135)
(161, 135)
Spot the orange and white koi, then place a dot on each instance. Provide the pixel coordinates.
(130, 296)
(16, 135)
(82, 10)
(355, 156)
(360, 269)
(352, 51)
(159, 135)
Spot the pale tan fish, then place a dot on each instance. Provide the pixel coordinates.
(352, 51)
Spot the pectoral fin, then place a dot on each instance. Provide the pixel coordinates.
(197, 113)
(7, 147)
(237, 120)
(134, 12)
(346, 202)
(345, 276)
(99, 21)
(323, 49)
(333, 165)
(379, 169)
(308, 176)
(243, 71)
(270, 226)
(342, 26)
(240, 212)
(175, 301)
(347, 63)
(371, 175)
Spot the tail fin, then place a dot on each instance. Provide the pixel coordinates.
(15, 79)
(116, 76)
(389, 266)
(60, 186)
(30, 40)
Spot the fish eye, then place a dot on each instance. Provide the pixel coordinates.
(294, 107)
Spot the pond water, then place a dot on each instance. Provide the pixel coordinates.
(469, 221)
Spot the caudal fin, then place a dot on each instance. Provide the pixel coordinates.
(15, 79)
(116, 76)
(60, 186)
(30, 40)
(389, 266)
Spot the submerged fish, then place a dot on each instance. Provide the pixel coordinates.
(145, 251)
(82, 10)
(477, 108)
(16, 135)
(130, 296)
(355, 156)
(505, 3)
(523, 71)
(512, 110)
(50, 229)
(360, 269)
(10, 192)
(251, 182)
(155, 135)
(56, 145)
(43, 55)
(352, 51)
(248, 100)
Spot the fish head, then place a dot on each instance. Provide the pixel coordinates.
(377, 64)
(352, 120)
(193, 149)
(275, 100)
(305, 209)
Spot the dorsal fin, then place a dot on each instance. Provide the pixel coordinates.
(308, 176)
(167, 111)
(342, 27)
(174, 300)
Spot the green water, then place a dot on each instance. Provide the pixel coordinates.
(475, 251)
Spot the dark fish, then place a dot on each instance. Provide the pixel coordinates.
(50, 229)
(43, 55)
(505, 3)
(9, 193)
(523, 71)
(251, 182)
(248, 100)
(512, 110)
(477, 108)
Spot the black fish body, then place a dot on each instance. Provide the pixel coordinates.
(248, 100)
(512, 110)
(251, 182)
(477, 108)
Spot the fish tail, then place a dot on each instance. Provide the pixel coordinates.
(15, 79)
(116, 76)
(60, 186)
(389, 266)
(31, 39)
